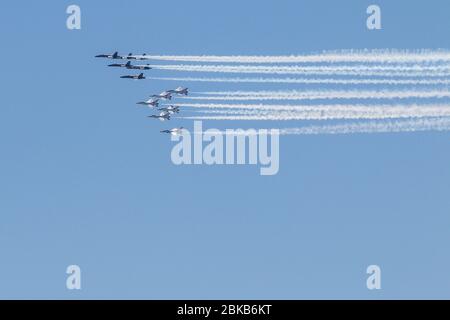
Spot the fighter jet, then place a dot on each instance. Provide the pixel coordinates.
(142, 57)
(166, 95)
(130, 57)
(163, 116)
(115, 55)
(170, 109)
(136, 77)
(133, 57)
(150, 102)
(128, 65)
(180, 91)
(139, 67)
(121, 65)
(174, 131)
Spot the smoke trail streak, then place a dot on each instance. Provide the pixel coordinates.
(324, 92)
(328, 115)
(311, 81)
(385, 126)
(314, 95)
(398, 71)
(269, 113)
(319, 112)
(326, 107)
(328, 68)
(365, 56)
(367, 127)
(228, 111)
(396, 126)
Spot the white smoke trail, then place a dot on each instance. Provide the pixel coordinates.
(316, 68)
(353, 56)
(311, 81)
(366, 113)
(229, 111)
(317, 112)
(390, 126)
(367, 127)
(397, 71)
(269, 113)
(318, 107)
(329, 94)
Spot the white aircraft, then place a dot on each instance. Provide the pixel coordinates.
(180, 90)
(163, 116)
(115, 55)
(150, 102)
(170, 109)
(174, 131)
(166, 95)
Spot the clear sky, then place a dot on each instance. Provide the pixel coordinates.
(86, 178)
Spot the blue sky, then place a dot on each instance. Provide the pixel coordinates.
(87, 179)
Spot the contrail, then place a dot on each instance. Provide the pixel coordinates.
(364, 56)
(397, 71)
(364, 113)
(332, 94)
(311, 81)
(372, 126)
(284, 114)
(320, 108)
(396, 126)
(228, 111)
(328, 68)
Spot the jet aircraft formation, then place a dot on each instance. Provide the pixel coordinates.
(154, 100)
